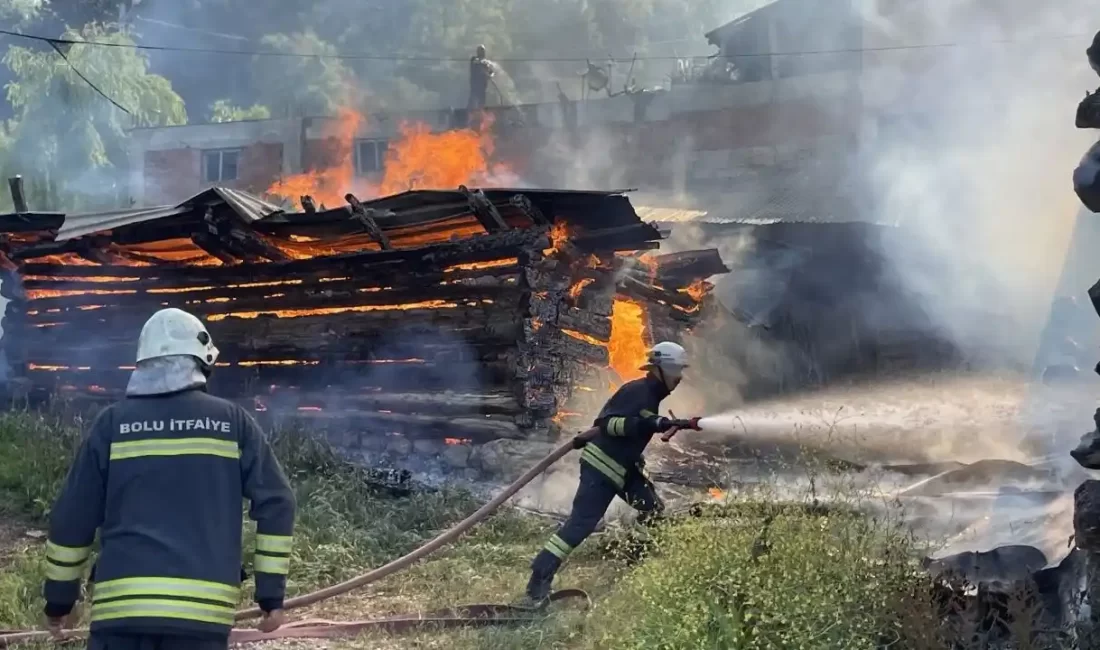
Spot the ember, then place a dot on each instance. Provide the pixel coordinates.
(457, 441)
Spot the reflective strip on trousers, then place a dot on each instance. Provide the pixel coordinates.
(557, 547)
(607, 466)
(200, 590)
(162, 608)
(267, 564)
(65, 563)
(175, 447)
(274, 543)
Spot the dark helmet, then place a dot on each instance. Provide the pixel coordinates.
(481, 51)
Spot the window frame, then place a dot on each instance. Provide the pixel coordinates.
(379, 146)
(221, 153)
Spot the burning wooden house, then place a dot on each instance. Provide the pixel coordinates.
(448, 316)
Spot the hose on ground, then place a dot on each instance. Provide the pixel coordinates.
(444, 538)
(315, 629)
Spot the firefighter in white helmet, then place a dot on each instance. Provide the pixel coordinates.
(612, 463)
(161, 476)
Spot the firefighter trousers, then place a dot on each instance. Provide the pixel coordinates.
(594, 494)
(119, 641)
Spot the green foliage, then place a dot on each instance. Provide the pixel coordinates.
(21, 12)
(762, 576)
(303, 86)
(35, 452)
(223, 111)
(67, 136)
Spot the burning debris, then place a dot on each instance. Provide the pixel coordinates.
(457, 317)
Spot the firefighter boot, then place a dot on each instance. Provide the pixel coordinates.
(543, 569)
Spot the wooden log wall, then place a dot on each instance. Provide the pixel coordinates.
(477, 339)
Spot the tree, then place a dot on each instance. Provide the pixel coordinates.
(301, 85)
(70, 141)
(21, 11)
(223, 111)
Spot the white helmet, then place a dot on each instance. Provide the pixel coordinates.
(667, 361)
(172, 332)
(667, 355)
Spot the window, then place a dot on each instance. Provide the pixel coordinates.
(220, 165)
(370, 156)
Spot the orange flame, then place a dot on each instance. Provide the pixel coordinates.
(456, 441)
(420, 159)
(559, 235)
(627, 347)
(417, 159)
(578, 287)
(330, 184)
(697, 290)
(716, 493)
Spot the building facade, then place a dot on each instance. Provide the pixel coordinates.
(772, 133)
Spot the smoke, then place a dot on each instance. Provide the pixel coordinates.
(972, 160)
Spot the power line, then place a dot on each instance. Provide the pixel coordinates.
(445, 59)
(57, 48)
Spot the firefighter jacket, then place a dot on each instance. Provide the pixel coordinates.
(163, 478)
(627, 423)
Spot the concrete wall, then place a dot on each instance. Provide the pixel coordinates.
(690, 137)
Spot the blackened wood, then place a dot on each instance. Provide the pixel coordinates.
(477, 430)
(508, 243)
(442, 296)
(18, 198)
(212, 246)
(441, 403)
(160, 280)
(629, 237)
(685, 267)
(529, 210)
(320, 331)
(648, 293)
(235, 381)
(308, 206)
(485, 343)
(366, 218)
(483, 209)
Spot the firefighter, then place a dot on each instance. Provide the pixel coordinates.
(161, 475)
(482, 71)
(612, 463)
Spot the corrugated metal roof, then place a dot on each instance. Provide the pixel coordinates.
(78, 225)
(248, 207)
(669, 215)
(244, 204)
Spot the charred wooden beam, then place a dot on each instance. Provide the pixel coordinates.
(529, 210)
(477, 430)
(236, 380)
(484, 210)
(366, 218)
(164, 282)
(292, 304)
(308, 206)
(18, 198)
(685, 267)
(210, 244)
(621, 238)
(508, 243)
(441, 403)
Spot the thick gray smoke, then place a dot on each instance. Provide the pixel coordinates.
(974, 167)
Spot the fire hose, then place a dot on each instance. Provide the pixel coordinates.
(462, 616)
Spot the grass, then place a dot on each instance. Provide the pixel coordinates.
(750, 573)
